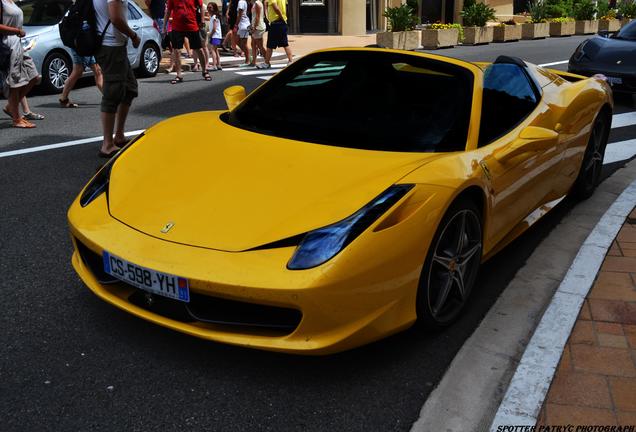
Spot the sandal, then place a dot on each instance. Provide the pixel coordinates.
(196, 68)
(33, 116)
(101, 154)
(206, 76)
(177, 80)
(66, 103)
(121, 144)
(23, 124)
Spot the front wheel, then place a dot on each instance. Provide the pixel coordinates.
(590, 172)
(56, 69)
(451, 267)
(150, 58)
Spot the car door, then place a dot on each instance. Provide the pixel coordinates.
(521, 148)
(135, 23)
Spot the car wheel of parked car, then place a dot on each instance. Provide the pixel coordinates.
(451, 266)
(56, 68)
(150, 58)
(590, 173)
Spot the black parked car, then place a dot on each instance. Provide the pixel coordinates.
(610, 54)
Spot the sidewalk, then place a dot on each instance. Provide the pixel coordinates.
(595, 383)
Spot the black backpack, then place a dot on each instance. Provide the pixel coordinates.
(78, 28)
(5, 51)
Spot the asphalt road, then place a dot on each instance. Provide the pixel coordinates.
(69, 361)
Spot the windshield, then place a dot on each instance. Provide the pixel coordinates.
(43, 12)
(369, 100)
(628, 32)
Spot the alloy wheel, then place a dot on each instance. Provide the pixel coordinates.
(454, 265)
(593, 163)
(58, 72)
(151, 60)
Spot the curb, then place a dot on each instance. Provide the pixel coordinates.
(529, 385)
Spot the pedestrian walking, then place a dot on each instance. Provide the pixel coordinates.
(21, 75)
(277, 34)
(257, 29)
(243, 29)
(120, 85)
(231, 17)
(79, 64)
(215, 35)
(186, 24)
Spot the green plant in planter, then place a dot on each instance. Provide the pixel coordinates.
(537, 11)
(477, 14)
(584, 10)
(627, 9)
(440, 26)
(602, 8)
(558, 8)
(401, 18)
(561, 20)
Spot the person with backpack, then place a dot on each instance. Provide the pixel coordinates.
(21, 74)
(120, 85)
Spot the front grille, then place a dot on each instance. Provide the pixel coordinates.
(201, 308)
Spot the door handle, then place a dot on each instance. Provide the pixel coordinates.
(135, 27)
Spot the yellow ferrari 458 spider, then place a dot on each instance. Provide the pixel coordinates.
(356, 191)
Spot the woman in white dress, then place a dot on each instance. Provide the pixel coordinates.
(22, 75)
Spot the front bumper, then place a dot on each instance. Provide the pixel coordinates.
(628, 84)
(356, 298)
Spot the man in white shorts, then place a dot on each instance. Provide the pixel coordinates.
(243, 29)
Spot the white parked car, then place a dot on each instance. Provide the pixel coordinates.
(53, 59)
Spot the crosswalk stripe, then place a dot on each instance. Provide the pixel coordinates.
(619, 151)
(257, 72)
(625, 119)
(244, 69)
(265, 77)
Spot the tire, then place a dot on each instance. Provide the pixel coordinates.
(592, 164)
(451, 266)
(56, 68)
(149, 62)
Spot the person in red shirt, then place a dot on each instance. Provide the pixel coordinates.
(187, 19)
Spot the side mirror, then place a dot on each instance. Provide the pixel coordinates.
(234, 96)
(531, 139)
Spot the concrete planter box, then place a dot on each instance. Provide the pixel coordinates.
(586, 27)
(477, 35)
(535, 30)
(506, 33)
(609, 25)
(439, 38)
(562, 28)
(625, 21)
(406, 40)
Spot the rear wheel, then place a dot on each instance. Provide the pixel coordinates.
(150, 58)
(592, 165)
(56, 68)
(451, 266)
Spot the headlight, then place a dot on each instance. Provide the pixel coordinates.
(99, 184)
(28, 43)
(319, 246)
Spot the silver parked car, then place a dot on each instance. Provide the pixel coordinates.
(53, 59)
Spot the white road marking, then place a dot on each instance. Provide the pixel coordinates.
(615, 151)
(531, 381)
(553, 63)
(257, 72)
(61, 145)
(625, 119)
(620, 151)
(244, 69)
(265, 77)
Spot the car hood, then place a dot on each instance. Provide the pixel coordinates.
(614, 53)
(230, 189)
(38, 30)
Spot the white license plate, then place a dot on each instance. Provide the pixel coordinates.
(164, 284)
(615, 80)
